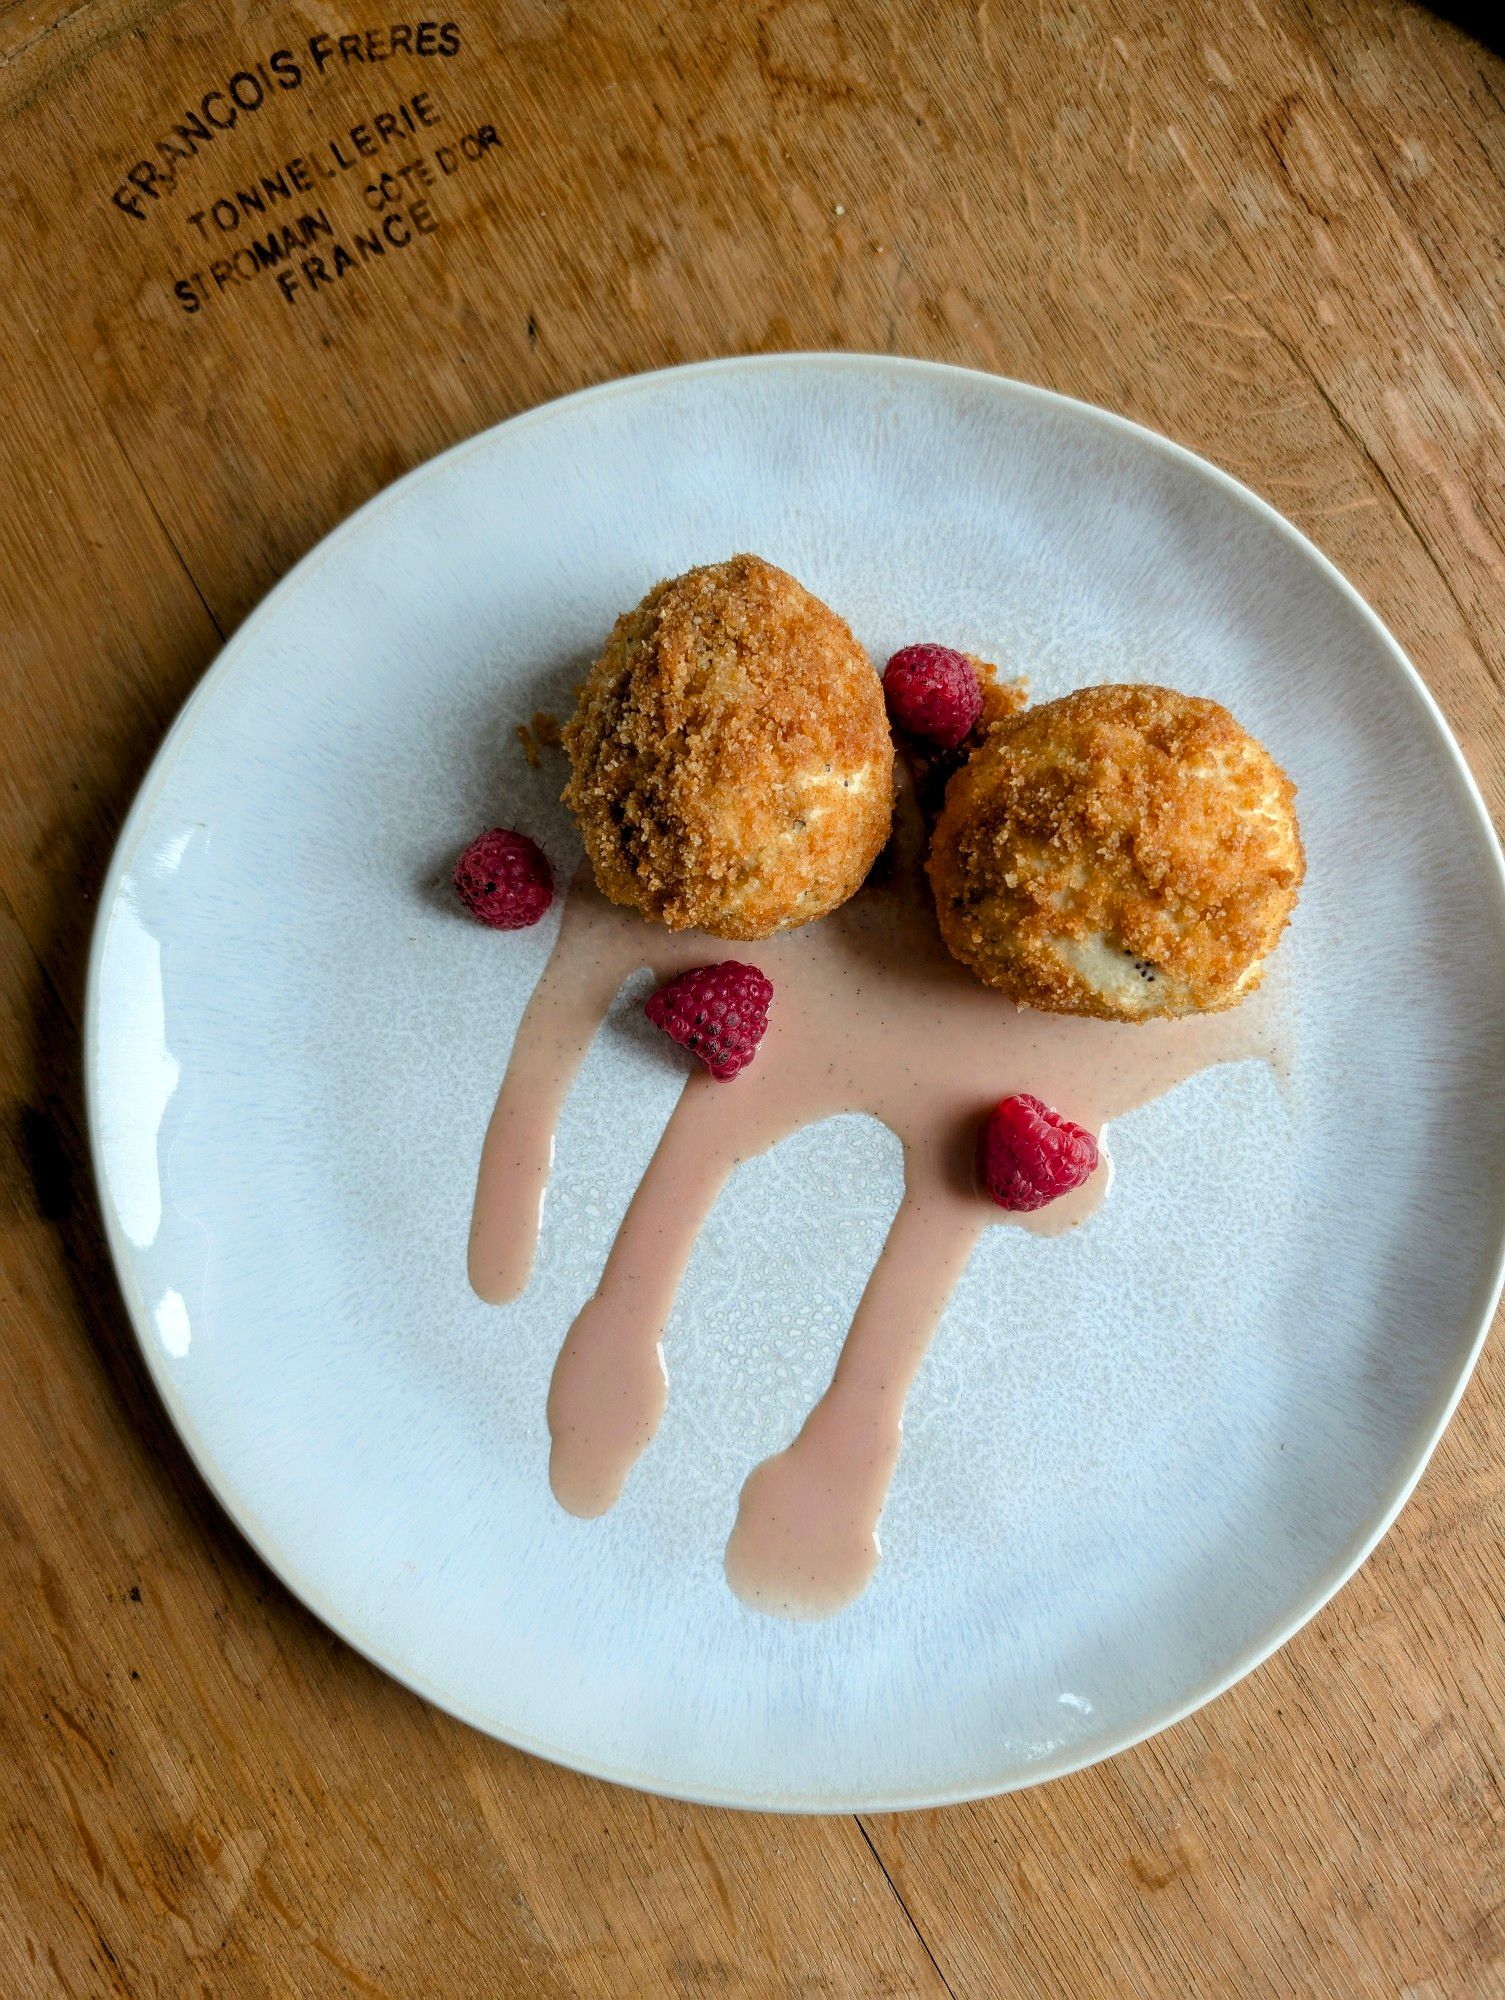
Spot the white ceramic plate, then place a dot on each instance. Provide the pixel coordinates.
(1137, 1458)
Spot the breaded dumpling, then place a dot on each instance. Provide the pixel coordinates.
(1123, 852)
(731, 764)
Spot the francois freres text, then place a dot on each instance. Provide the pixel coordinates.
(238, 97)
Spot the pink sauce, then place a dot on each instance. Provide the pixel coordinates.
(870, 1013)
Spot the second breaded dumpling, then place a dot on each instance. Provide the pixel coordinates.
(731, 766)
(1124, 852)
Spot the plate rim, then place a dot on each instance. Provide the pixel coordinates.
(240, 1509)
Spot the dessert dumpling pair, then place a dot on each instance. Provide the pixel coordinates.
(1124, 852)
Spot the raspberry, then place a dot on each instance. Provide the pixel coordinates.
(504, 879)
(1028, 1155)
(934, 692)
(717, 1012)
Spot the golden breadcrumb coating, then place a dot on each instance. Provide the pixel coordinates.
(1123, 852)
(731, 762)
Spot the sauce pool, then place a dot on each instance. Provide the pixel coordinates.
(870, 1013)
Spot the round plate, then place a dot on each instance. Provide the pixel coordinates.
(1137, 1458)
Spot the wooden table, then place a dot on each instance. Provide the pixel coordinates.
(1272, 231)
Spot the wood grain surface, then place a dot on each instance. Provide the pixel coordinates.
(1271, 230)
